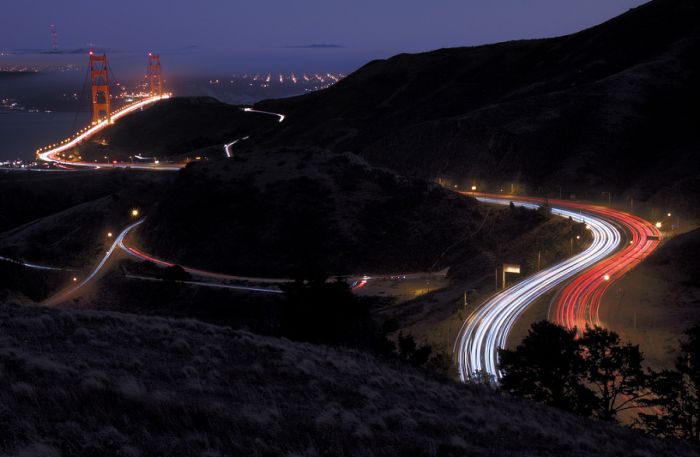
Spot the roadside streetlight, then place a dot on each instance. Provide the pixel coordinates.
(659, 225)
(135, 212)
(109, 234)
(75, 279)
(669, 214)
(473, 188)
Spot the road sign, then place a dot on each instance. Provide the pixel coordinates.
(511, 268)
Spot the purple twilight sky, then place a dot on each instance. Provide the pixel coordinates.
(250, 30)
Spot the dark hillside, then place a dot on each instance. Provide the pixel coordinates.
(26, 196)
(657, 301)
(175, 128)
(79, 383)
(296, 213)
(291, 212)
(611, 107)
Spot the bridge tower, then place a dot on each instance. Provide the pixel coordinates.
(154, 76)
(100, 88)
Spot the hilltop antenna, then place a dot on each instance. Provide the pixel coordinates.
(54, 38)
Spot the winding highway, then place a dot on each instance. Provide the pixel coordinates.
(587, 275)
(578, 304)
(589, 272)
(68, 292)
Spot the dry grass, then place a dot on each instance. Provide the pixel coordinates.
(85, 383)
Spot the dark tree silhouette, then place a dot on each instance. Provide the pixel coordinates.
(676, 394)
(326, 312)
(613, 371)
(411, 353)
(175, 273)
(548, 367)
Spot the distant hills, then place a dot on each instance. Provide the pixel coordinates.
(315, 46)
(63, 51)
(613, 107)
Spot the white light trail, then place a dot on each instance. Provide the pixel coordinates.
(487, 329)
(50, 155)
(227, 147)
(33, 266)
(117, 242)
(251, 110)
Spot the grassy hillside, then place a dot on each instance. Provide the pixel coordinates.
(175, 129)
(120, 385)
(62, 220)
(609, 108)
(657, 301)
(291, 212)
(26, 196)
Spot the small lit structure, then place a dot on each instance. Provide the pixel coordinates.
(509, 268)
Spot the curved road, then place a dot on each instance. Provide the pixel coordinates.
(607, 259)
(579, 303)
(50, 153)
(487, 329)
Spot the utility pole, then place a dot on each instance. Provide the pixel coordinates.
(539, 260)
(496, 278)
(609, 198)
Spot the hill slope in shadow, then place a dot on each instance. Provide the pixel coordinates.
(609, 108)
(116, 384)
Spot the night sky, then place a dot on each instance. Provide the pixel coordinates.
(366, 28)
